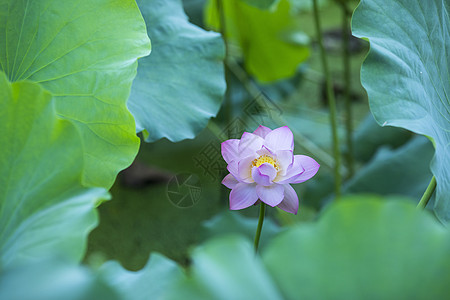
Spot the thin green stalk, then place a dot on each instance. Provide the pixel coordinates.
(427, 195)
(331, 103)
(347, 87)
(262, 211)
(228, 110)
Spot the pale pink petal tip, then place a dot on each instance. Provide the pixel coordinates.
(262, 131)
(310, 166)
(229, 181)
(230, 150)
(249, 144)
(290, 201)
(280, 139)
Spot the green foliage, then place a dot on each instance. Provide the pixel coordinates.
(396, 171)
(262, 4)
(180, 86)
(380, 248)
(43, 206)
(151, 282)
(268, 39)
(406, 74)
(230, 222)
(369, 136)
(363, 247)
(299, 6)
(53, 279)
(225, 269)
(85, 54)
(65, 74)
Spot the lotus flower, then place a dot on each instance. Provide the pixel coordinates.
(262, 166)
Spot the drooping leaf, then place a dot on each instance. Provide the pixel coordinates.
(180, 86)
(223, 269)
(43, 206)
(363, 247)
(53, 279)
(406, 74)
(85, 53)
(396, 171)
(269, 39)
(151, 282)
(369, 137)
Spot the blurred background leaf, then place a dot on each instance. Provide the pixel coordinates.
(151, 282)
(262, 4)
(53, 279)
(396, 171)
(369, 136)
(226, 268)
(363, 246)
(229, 222)
(271, 41)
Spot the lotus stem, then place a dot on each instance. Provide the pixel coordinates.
(262, 211)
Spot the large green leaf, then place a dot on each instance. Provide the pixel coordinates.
(406, 74)
(269, 39)
(363, 248)
(225, 269)
(151, 282)
(85, 53)
(180, 86)
(53, 279)
(43, 206)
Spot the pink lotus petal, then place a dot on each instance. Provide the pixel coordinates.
(290, 201)
(229, 181)
(264, 174)
(230, 150)
(310, 167)
(271, 195)
(265, 151)
(245, 169)
(249, 144)
(242, 196)
(280, 139)
(293, 170)
(232, 167)
(268, 170)
(262, 131)
(285, 158)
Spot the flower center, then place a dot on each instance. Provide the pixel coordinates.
(265, 159)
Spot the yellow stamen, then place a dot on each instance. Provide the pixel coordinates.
(265, 159)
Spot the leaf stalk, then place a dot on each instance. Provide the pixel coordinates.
(331, 103)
